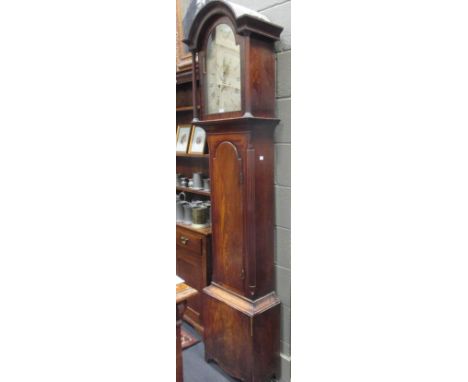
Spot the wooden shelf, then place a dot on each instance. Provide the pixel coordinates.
(180, 155)
(193, 191)
(204, 231)
(185, 108)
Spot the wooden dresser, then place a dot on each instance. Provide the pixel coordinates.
(193, 245)
(194, 266)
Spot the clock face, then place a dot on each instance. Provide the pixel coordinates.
(222, 79)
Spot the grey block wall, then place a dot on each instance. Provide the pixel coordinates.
(279, 12)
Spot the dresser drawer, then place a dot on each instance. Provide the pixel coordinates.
(193, 254)
(188, 240)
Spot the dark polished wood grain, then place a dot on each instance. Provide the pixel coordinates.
(245, 25)
(261, 85)
(228, 240)
(241, 312)
(241, 335)
(242, 202)
(256, 39)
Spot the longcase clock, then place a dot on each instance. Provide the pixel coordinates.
(241, 311)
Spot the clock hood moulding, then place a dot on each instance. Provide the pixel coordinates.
(245, 20)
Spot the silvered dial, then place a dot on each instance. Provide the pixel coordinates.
(222, 83)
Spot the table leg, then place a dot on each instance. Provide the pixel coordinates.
(180, 308)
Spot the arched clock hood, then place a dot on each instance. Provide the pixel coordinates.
(246, 21)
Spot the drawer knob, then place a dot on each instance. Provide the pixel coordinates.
(184, 240)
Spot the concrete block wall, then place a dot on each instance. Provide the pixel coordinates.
(279, 12)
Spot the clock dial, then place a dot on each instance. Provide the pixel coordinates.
(222, 80)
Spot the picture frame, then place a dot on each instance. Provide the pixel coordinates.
(183, 138)
(183, 55)
(197, 141)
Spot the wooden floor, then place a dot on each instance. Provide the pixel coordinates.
(195, 367)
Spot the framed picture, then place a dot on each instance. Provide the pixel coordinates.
(183, 138)
(198, 140)
(183, 55)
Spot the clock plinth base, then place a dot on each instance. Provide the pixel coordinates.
(242, 335)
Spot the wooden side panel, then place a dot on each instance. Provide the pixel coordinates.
(245, 345)
(227, 338)
(264, 216)
(267, 345)
(228, 215)
(249, 225)
(262, 82)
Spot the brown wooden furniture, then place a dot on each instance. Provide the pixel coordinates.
(193, 245)
(194, 266)
(241, 310)
(183, 293)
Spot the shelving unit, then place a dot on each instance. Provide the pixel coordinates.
(193, 245)
(181, 109)
(203, 231)
(193, 191)
(179, 155)
(184, 108)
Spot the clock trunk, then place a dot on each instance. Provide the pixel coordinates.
(241, 311)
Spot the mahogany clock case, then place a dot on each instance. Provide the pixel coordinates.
(258, 56)
(256, 39)
(240, 309)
